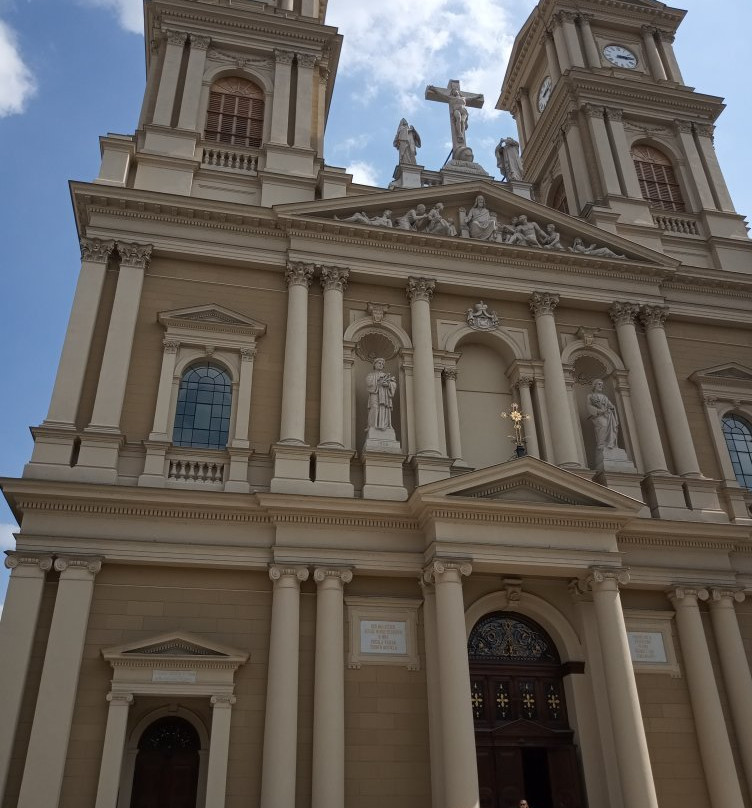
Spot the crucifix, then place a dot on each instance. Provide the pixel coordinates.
(458, 102)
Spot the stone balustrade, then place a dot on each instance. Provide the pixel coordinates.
(196, 470)
(677, 224)
(232, 159)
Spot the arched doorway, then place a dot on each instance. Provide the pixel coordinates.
(523, 739)
(167, 765)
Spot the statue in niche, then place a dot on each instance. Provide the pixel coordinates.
(479, 221)
(415, 219)
(437, 225)
(579, 246)
(603, 416)
(381, 388)
(407, 142)
(508, 159)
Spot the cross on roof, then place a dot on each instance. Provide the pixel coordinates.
(458, 101)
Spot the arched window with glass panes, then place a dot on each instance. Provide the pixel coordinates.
(657, 177)
(235, 115)
(202, 415)
(738, 434)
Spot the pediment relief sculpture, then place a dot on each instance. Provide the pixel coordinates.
(525, 491)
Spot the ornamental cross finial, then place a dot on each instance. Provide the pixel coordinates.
(458, 101)
(517, 417)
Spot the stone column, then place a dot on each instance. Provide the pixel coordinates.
(328, 788)
(219, 750)
(168, 84)
(568, 19)
(635, 772)
(20, 614)
(108, 404)
(292, 429)
(651, 51)
(561, 44)
(702, 192)
(566, 173)
(66, 393)
(334, 282)
(712, 736)
(624, 316)
(310, 8)
(113, 750)
(524, 383)
(304, 101)
(591, 47)
(542, 305)
(281, 101)
(621, 150)
(458, 730)
(245, 389)
(580, 167)
(281, 723)
(161, 427)
(420, 291)
(525, 124)
(735, 669)
(453, 414)
(704, 141)
(433, 691)
(672, 65)
(675, 416)
(194, 79)
(287, 5)
(53, 715)
(606, 165)
(551, 58)
(527, 108)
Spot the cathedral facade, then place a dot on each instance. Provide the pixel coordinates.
(437, 494)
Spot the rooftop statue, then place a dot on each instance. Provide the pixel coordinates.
(508, 159)
(407, 142)
(458, 102)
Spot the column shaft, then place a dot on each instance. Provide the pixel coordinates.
(219, 750)
(635, 772)
(304, 101)
(672, 65)
(735, 670)
(712, 736)
(420, 292)
(433, 691)
(580, 169)
(674, 414)
(53, 715)
(703, 194)
(552, 59)
(453, 414)
(623, 315)
(113, 750)
(572, 40)
(606, 164)
(245, 389)
(704, 142)
(334, 282)
(194, 79)
(528, 110)
(310, 8)
(566, 174)
(20, 614)
(651, 49)
(561, 46)
(69, 380)
(292, 428)
(562, 438)
(526, 405)
(161, 426)
(458, 729)
(328, 789)
(281, 723)
(281, 100)
(168, 83)
(624, 162)
(108, 404)
(591, 48)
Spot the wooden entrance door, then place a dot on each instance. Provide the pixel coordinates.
(522, 734)
(166, 772)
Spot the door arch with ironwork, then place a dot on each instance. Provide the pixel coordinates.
(524, 743)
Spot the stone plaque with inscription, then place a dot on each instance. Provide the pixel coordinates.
(647, 647)
(174, 677)
(383, 637)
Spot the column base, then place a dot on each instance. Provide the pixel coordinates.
(237, 479)
(98, 457)
(333, 472)
(430, 468)
(154, 474)
(734, 502)
(614, 460)
(683, 499)
(52, 453)
(624, 483)
(292, 470)
(703, 497)
(383, 476)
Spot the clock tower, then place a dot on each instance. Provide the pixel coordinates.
(611, 133)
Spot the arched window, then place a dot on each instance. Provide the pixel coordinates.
(202, 417)
(236, 113)
(657, 178)
(738, 434)
(558, 197)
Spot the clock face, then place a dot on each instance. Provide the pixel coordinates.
(545, 93)
(620, 56)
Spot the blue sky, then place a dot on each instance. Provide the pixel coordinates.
(71, 70)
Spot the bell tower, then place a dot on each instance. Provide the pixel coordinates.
(612, 134)
(236, 101)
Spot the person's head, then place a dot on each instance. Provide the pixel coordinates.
(551, 228)
(439, 206)
(378, 364)
(387, 214)
(480, 201)
(598, 386)
(523, 804)
(421, 209)
(523, 219)
(403, 122)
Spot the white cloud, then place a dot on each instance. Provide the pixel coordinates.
(7, 541)
(17, 83)
(363, 173)
(351, 144)
(130, 13)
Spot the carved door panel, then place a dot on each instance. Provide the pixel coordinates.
(510, 780)
(487, 778)
(565, 778)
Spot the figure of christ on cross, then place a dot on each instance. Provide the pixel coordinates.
(458, 102)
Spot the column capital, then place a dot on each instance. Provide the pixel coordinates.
(593, 111)
(666, 36)
(134, 255)
(123, 699)
(687, 595)
(615, 114)
(543, 303)
(624, 313)
(683, 127)
(649, 30)
(343, 574)
(653, 316)
(199, 42)
(441, 569)
(299, 273)
(579, 590)
(222, 701)
(178, 38)
(323, 76)
(307, 60)
(277, 572)
(705, 130)
(450, 374)
(334, 278)
(727, 597)
(91, 564)
(96, 250)
(524, 381)
(604, 578)
(17, 558)
(585, 18)
(248, 354)
(283, 57)
(568, 16)
(171, 346)
(420, 289)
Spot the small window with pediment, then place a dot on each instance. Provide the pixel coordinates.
(738, 434)
(235, 115)
(657, 177)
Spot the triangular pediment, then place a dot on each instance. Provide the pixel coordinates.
(212, 317)
(526, 482)
(179, 645)
(390, 216)
(731, 370)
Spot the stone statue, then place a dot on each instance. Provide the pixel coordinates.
(458, 100)
(415, 219)
(508, 159)
(553, 238)
(458, 111)
(381, 388)
(437, 225)
(578, 246)
(479, 221)
(407, 142)
(602, 414)
(527, 234)
(361, 217)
